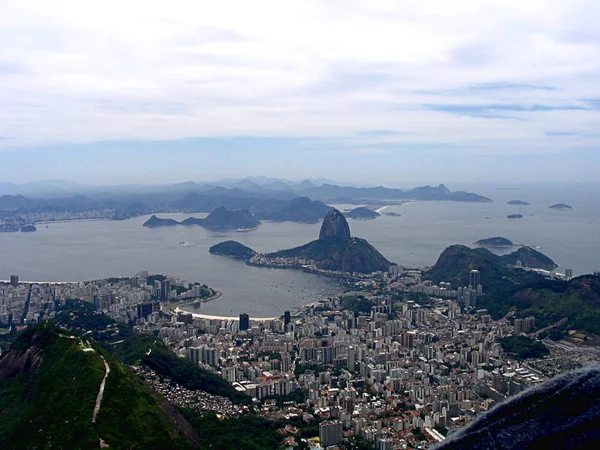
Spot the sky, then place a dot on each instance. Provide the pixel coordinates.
(375, 92)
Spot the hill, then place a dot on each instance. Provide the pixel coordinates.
(362, 212)
(517, 202)
(49, 383)
(529, 257)
(222, 218)
(301, 209)
(528, 293)
(154, 222)
(337, 250)
(232, 249)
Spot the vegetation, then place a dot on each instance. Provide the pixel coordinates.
(243, 433)
(233, 249)
(495, 242)
(189, 375)
(357, 304)
(48, 389)
(523, 347)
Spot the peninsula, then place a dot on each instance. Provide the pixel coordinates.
(336, 252)
(220, 219)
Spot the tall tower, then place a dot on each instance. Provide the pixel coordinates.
(475, 279)
(14, 280)
(244, 321)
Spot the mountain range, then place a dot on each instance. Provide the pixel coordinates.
(270, 201)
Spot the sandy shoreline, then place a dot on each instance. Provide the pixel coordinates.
(208, 316)
(211, 317)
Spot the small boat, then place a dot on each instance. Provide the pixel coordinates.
(515, 216)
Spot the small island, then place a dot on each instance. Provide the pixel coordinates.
(497, 242)
(517, 202)
(392, 214)
(561, 207)
(232, 249)
(220, 219)
(155, 222)
(28, 228)
(362, 212)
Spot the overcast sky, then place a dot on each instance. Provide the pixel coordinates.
(367, 91)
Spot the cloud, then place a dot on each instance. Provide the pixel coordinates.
(436, 73)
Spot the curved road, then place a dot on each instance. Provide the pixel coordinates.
(101, 390)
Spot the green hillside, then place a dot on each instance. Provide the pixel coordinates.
(49, 382)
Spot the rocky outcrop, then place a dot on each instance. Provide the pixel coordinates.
(334, 227)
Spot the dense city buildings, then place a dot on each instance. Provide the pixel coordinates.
(397, 362)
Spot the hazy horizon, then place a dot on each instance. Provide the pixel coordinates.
(113, 93)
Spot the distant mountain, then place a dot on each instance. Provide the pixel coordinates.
(337, 250)
(49, 383)
(331, 193)
(232, 249)
(222, 218)
(154, 222)
(301, 209)
(271, 199)
(517, 202)
(362, 212)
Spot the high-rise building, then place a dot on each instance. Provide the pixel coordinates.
(14, 280)
(474, 279)
(330, 433)
(568, 274)
(287, 318)
(244, 322)
(165, 290)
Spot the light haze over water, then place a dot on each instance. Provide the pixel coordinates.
(77, 251)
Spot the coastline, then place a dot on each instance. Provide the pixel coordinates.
(175, 307)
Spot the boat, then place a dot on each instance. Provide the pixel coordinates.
(515, 216)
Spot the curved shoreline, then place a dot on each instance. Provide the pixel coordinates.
(209, 316)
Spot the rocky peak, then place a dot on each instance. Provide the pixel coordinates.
(334, 226)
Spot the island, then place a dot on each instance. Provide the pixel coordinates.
(517, 202)
(232, 249)
(495, 242)
(362, 212)
(220, 219)
(392, 214)
(335, 253)
(155, 222)
(561, 207)
(28, 228)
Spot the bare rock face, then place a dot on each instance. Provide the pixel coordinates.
(335, 227)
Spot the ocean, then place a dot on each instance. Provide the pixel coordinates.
(85, 250)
